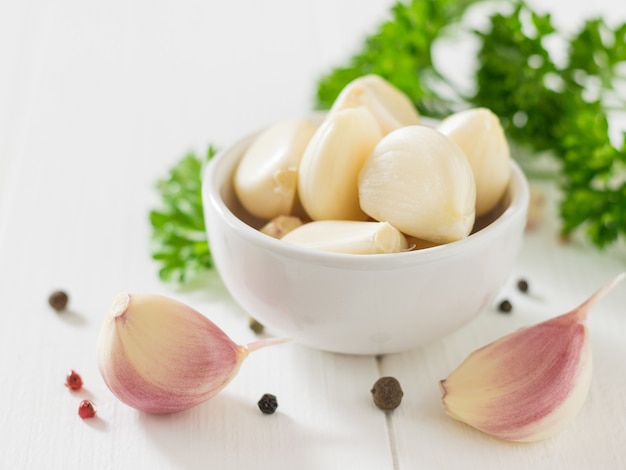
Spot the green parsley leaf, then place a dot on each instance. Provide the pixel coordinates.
(401, 52)
(518, 80)
(562, 109)
(594, 178)
(179, 237)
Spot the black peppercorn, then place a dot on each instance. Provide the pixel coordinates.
(387, 393)
(505, 306)
(268, 404)
(255, 325)
(522, 285)
(58, 300)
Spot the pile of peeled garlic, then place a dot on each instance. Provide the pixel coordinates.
(371, 177)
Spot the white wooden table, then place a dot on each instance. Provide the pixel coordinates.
(97, 101)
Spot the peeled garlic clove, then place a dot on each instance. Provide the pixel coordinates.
(266, 179)
(527, 385)
(281, 225)
(419, 181)
(329, 169)
(346, 236)
(479, 134)
(390, 106)
(159, 355)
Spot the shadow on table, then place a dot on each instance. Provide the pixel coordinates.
(227, 432)
(73, 318)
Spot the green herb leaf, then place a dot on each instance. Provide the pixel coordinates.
(562, 109)
(518, 80)
(178, 231)
(594, 178)
(401, 52)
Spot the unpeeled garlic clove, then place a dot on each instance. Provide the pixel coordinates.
(479, 134)
(266, 179)
(419, 181)
(390, 106)
(529, 384)
(159, 355)
(346, 236)
(329, 169)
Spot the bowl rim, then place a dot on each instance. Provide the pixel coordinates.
(211, 188)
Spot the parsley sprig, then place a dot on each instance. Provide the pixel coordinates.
(401, 52)
(179, 238)
(563, 109)
(594, 178)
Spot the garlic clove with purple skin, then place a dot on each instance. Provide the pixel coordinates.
(528, 385)
(159, 355)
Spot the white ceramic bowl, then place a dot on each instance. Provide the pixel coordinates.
(357, 304)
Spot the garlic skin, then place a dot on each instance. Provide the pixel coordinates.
(419, 181)
(391, 107)
(279, 226)
(346, 236)
(528, 385)
(329, 169)
(479, 134)
(159, 355)
(266, 179)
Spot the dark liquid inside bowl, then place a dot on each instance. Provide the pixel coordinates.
(491, 216)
